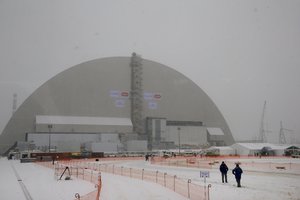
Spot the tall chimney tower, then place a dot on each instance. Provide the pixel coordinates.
(137, 94)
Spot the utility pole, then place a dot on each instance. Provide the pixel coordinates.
(49, 127)
(178, 128)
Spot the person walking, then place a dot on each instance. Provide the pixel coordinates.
(237, 171)
(146, 157)
(223, 170)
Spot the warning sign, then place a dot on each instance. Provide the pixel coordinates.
(152, 96)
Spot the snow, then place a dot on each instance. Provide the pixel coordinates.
(256, 185)
(40, 182)
(117, 187)
(42, 185)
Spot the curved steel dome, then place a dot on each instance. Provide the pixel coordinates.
(87, 89)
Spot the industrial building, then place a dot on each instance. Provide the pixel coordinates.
(117, 104)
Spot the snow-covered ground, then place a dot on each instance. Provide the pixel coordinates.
(41, 184)
(38, 180)
(256, 185)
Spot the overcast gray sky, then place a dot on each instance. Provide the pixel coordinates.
(240, 53)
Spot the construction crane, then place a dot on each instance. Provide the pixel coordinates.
(262, 129)
(282, 139)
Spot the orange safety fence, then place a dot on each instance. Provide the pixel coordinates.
(182, 162)
(181, 186)
(78, 172)
(87, 170)
(266, 166)
(253, 163)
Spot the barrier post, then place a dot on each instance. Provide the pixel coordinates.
(130, 172)
(77, 196)
(209, 186)
(165, 179)
(142, 174)
(122, 170)
(174, 182)
(189, 181)
(99, 185)
(156, 176)
(91, 175)
(204, 187)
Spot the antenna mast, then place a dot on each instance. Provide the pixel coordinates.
(262, 130)
(282, 139)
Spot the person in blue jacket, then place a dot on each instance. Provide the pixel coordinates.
(237, 171)
(223, 170)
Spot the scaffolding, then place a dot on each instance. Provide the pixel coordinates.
(137, 94)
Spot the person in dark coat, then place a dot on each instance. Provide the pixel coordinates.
(237, 171)
(146, 157)
(223, 170)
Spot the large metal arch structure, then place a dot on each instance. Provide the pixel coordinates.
(86, 90)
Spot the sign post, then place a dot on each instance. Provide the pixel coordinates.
(204, 174)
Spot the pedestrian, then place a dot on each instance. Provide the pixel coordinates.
(223, 170)
(237, 171)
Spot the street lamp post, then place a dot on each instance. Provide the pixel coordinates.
(178, 128)
(49, 127)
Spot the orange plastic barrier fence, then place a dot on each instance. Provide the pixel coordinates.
(181, 186)
(78, 172)
(271, 164)
(183, 162)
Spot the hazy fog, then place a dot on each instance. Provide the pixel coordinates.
(240, 53)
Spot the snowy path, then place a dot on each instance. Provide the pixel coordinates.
(42, 186)
(23, 186)
(256, 185)
(39, 181)
(9, 186)
(117, 187)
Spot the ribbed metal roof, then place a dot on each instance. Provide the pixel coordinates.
(83, 120)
